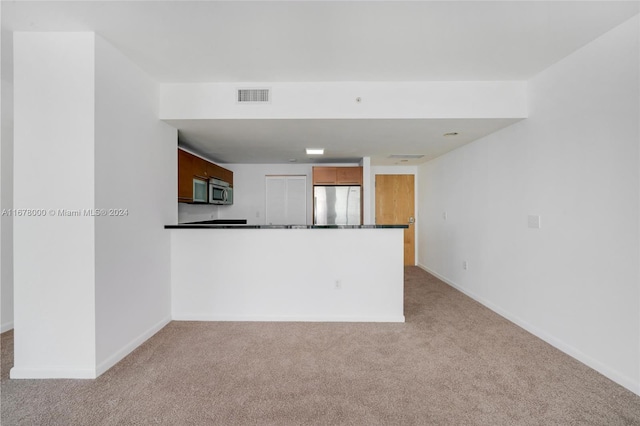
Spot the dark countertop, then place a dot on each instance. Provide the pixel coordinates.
(223, 226)
(219, 222)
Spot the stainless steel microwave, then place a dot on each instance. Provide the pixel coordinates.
(220, 192)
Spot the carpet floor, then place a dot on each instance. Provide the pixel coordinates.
(453, 362)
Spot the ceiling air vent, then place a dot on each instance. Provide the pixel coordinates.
(407, 156)
(254, 96)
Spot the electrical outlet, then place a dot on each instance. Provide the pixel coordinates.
(338, 284)
(465, 265)
(444, 215)
(533, 221)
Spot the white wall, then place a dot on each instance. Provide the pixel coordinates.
(368, 191)
(196, 212)
(136, 170)
(54, 169)
(287, 275)
(575, 282)
(6, 183)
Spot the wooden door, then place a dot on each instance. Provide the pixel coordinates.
(395, 201)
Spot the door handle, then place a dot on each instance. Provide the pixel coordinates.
(412, 220)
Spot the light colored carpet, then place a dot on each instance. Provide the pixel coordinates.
(453, 362)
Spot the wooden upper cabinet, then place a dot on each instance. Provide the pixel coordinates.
(227, 176)
(185, 176)
(190, 167)
(324, 175)
(221, 173)
(214, 171)
(200, 167)
(337, 175)
(349, 175)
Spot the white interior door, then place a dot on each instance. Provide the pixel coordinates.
(286, 200)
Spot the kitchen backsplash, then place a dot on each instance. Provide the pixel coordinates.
(196, 212)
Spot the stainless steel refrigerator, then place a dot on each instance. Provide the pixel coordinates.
(336, 205)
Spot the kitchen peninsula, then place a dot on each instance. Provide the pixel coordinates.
(287, 272)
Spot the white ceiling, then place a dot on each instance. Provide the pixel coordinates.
(204, 41)
(213, 41)
(347, 141)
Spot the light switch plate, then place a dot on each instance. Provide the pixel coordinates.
(534, 221)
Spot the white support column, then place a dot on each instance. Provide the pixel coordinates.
(367, 188)
(54, 254)
(6, 183)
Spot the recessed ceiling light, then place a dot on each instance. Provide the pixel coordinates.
(451, 134)
(315, 151)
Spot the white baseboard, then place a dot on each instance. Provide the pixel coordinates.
(87, 373)
(52, 373)
(245, 318)
(631, 384)
(6, 327)
(130, 347)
